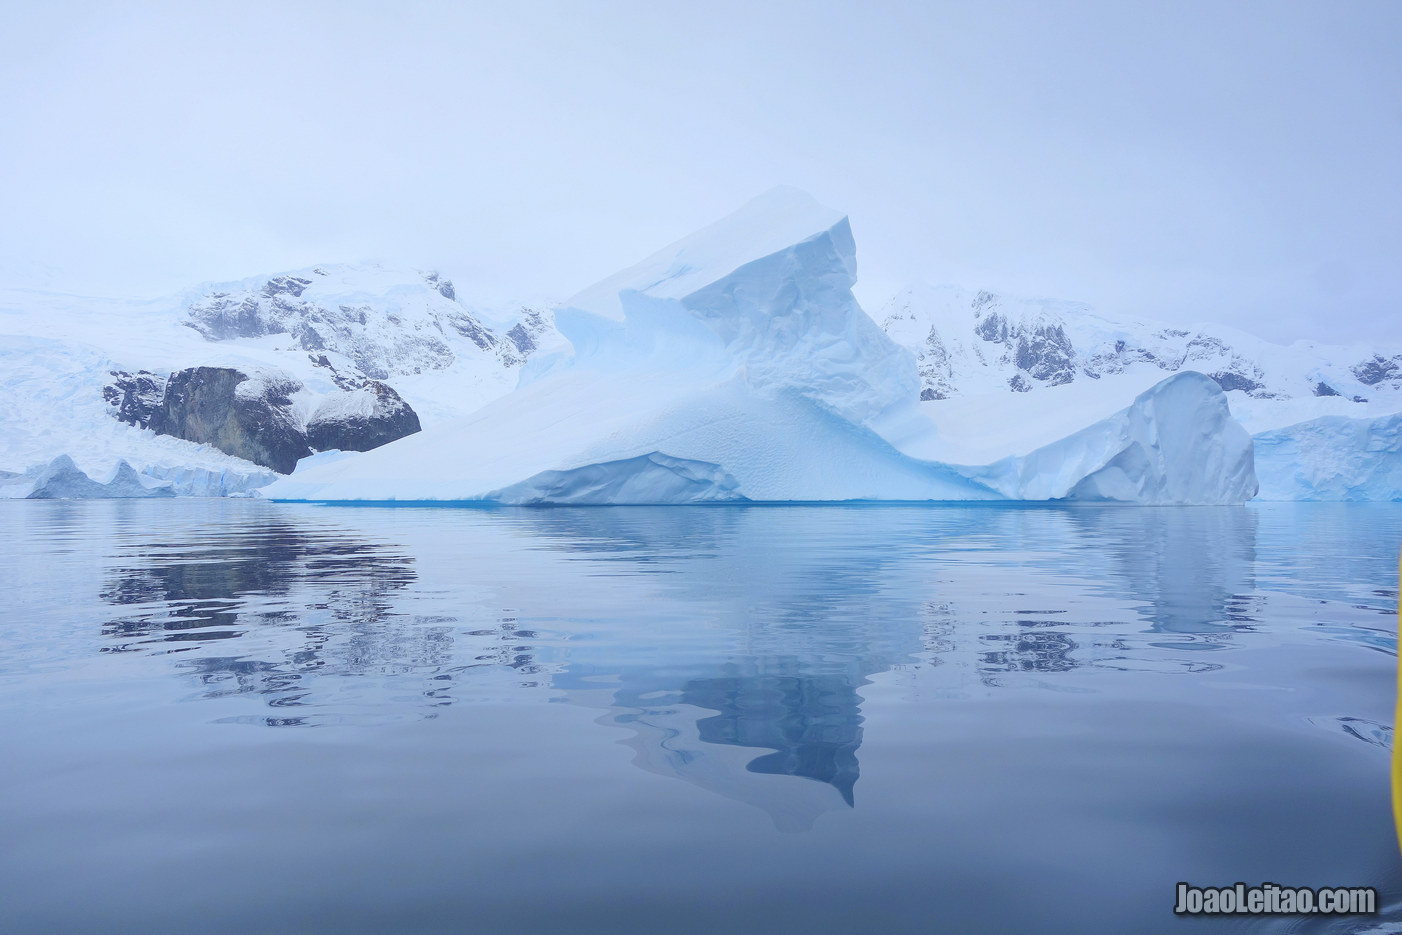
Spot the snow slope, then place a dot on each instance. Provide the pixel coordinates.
(744, 355)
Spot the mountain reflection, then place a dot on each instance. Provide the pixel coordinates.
(298, 610)
(732, 644)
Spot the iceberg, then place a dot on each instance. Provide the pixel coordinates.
(62, 479)
(652, 478)
(736, 363)
(1176, 443)
(1332, 458)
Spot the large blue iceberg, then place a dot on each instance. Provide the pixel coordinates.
(736, 363)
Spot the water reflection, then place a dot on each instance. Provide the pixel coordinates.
(198, 584)
(944, 698)
(732, 644)
(1194, 566)
(281, 611)
(709, 732)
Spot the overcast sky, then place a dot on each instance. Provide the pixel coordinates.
(1237, 162)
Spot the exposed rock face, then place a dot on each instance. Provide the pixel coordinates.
(253, 416)
(525, 336)
(379, 342)
(361, 419)
(383, 325)
(932, 363)
(135, 397)
(1045, 353)
(1378, 369)
(444, 286)
(286, 285)
(1230, 380)
(249, 418)
(470, 328)
(1039, 350)
(986, 340)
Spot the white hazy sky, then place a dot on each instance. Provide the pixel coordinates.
(1237, 162)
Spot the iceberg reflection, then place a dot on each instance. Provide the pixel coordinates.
(732, 643)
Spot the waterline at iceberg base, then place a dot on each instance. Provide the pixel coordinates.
(736, 363)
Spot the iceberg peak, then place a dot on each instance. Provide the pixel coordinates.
(766, 225)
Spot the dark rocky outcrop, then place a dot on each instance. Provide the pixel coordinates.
(526, 333)
(1041, 350)
(1377, 369)
(1324, 389)
(379, 343)
(1231, 380)
(286, 285)
(249, 418)
(992, 328)
(253, 416)
(444, 286)
(932, 363)
(363, 419)
(470, 328)
(1046, 354)
(134, 397)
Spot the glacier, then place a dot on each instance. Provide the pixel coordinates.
(741, 354)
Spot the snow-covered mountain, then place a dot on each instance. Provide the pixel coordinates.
(378, 322)
(972, 342)
(343, 354)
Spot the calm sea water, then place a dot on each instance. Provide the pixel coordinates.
(225, 716)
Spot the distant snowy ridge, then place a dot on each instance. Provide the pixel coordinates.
(971, 342)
